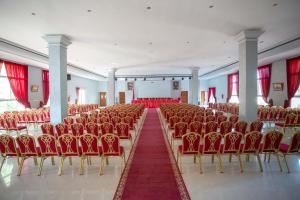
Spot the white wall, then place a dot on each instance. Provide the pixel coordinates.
(220, 83)
(35, 78)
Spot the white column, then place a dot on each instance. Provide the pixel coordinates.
(248, 74)
(195, 86)
(57, 45)
(111, 86)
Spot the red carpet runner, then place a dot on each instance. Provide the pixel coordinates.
(151, 171)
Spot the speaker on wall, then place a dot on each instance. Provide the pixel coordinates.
(68, 77)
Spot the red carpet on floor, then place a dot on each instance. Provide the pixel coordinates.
(151, 171)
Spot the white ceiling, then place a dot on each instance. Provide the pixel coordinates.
(171, 37)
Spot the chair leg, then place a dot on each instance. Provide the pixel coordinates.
(265, 157)
(230, 157)
(52, 160)
(277, 155)
(269, 157)
(4, 158)
(70, 160)
(240, 161)
(81, 165)
(200, 164)
(61, 166)
(287, 166)
(259, 162)
(212, 159)
(220, 163)
(194, 158)
(21, 166)
(101, 165)
(35, 161)
(41, 166)
(107, 161)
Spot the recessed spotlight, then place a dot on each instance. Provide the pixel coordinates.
(149, 8)
(261, 41)
(190, 78)
(144, 79)
(229, 56)
(89, 10)
(164, 78)
(275, 4)
(33, 14)
(116, 44)
(125, 79)
(182, 78)
(116, 79)
(211, 6)
(188, 42)
(150, 43)
(134, 79)
(173, 78)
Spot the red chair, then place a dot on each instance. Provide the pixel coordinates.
(48, 129)
(61, 129)
(256, 126)
(77, 129)
(92, 120)
(288, 122)
(225, 127)
(89, 147)
(180, 128)
(210, 127)
(8, 148)
(271, 145)
(231, 146)
(27, 148)
(115, 120)
(199, 118)
(110, 147)
(69, 121)
(221, 119)
(93, 129)
(81, 120)
(11, 125)
(234, 119)
(105, 119)
(241, 126)
(190, 146)
(122, 114)
(210, 118)
(123, 131)
(211, 146)
(290, 149)
(48, 148)
(69, 148)
(251, 145)
(172, 121)
(129, 120)
(218, 114)
(196, 127)
(107, 128)
(186, 119)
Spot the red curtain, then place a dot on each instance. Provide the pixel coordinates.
(77, 95)
(293, 73)
(212, 91)
(45, 78)
(232, 78)
(264, 78)
(17, 75)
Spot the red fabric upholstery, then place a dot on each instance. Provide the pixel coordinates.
(155, 102)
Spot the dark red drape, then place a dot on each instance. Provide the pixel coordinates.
(212, 91)
(232, 78)
(46, 89)
(17, 75)
(293, 73)
(77, 95)
(264, 79)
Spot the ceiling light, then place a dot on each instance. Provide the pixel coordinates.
(187, 42)
(190, 78)
(164, 78)
(149, 8)
(89, 10)
(150, 43)
(275, 4)
(229, 56)
(173, 78)
(116, 79)
(261, 41)
(144, 79)
(115, 44)
(33, 14)
(182, 78)
(134, 79)
(211, 6)
(125, 79)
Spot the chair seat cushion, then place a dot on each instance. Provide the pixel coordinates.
(17, 128)
(283, 148)
(176, 136)
(180, 150)
(201, 151)
(113, 154)
(222, 150)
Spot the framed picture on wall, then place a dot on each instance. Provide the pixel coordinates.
(277, 86)
(130, 85)
(34, 88)
(175, 85)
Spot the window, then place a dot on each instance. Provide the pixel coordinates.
(211, 98)
(260, 100)
(8, 101)
(295, 101)
(234, 97)
(81, 96)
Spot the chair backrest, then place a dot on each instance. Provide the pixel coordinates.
(8, 145)
(290, 119)
(212, 143)
(77, 129)
(122, 114)
(263, 114)
(106, 128)
(256, 126)
(210, 118)
(211, 126)
(180, 128)
(191, 142)
(129, 120)
(27, 145)
(68, 145)
(173, 121)
(196, 127)
(47, 144)
(110, 144)
(61, 129)
(272, 141)
(104, 119)
(252, 142)
(225, 127)
(68, 121)
(232, 142)
(198, 118)
(48, 128)
(241, 126)
(81, 120)
(122, 129)
(10, 122)
(92, 128)
(234, 119)
(221, 119)
(187, 119)
(115, 120)
(294, 146)
(89, 144)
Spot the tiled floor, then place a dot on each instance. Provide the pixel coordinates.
(271, 184)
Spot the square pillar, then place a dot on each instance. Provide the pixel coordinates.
(195, 86)
(248, 74)
(111, 86)
(57, 46)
